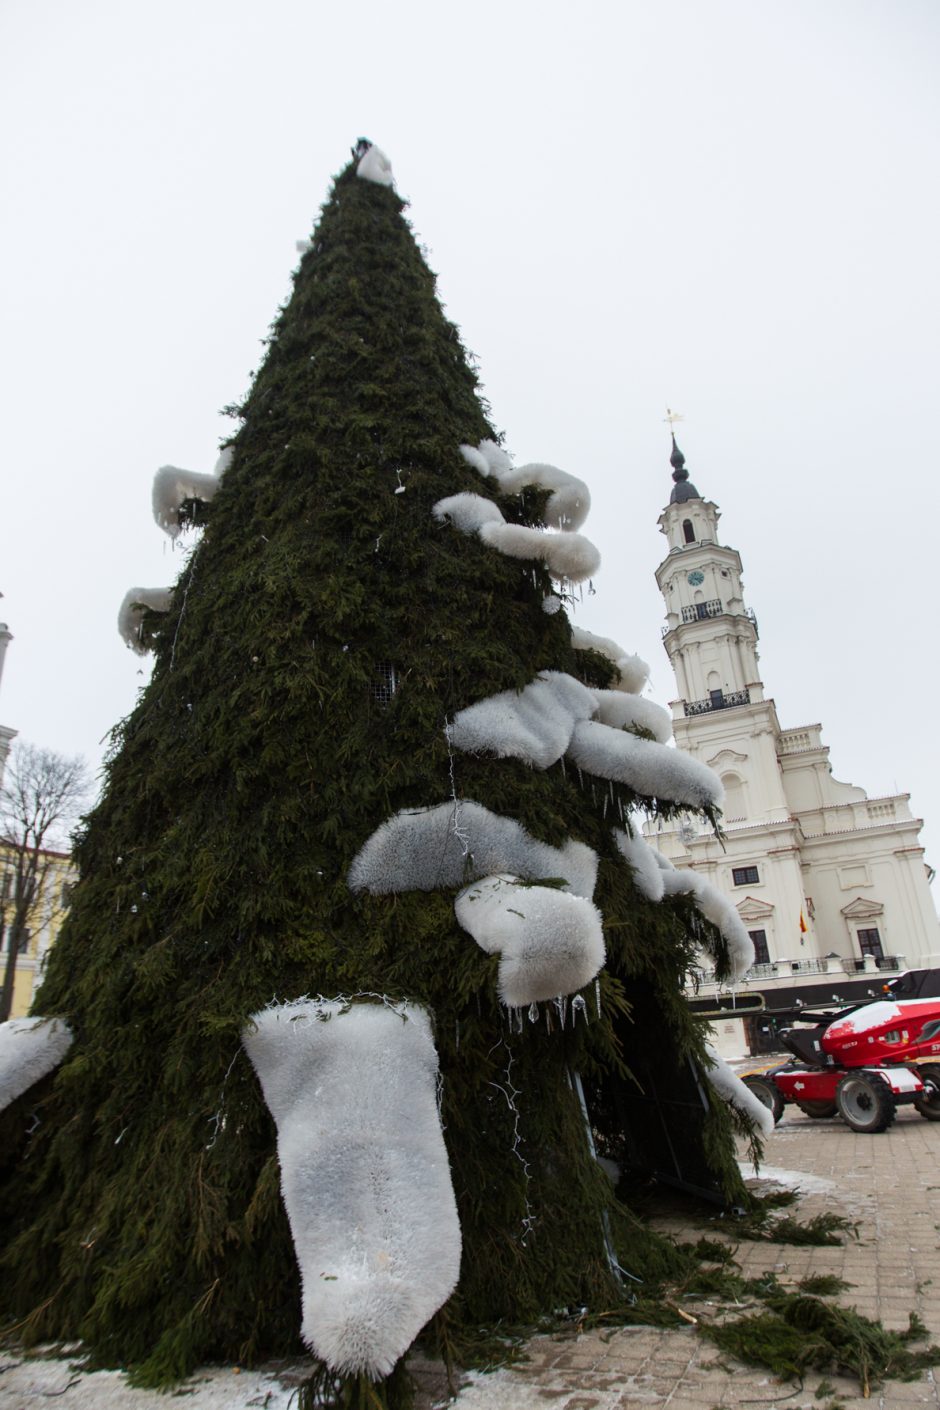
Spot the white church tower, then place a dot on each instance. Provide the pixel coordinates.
(831, 885)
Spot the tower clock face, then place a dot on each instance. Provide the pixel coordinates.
(695, 579)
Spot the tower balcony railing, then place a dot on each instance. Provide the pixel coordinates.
(718, 700)
(703, 611)
(699, 611)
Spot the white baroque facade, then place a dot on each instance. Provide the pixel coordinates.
(831, 884)
(6, 735)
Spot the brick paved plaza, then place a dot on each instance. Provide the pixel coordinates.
(889, 1183)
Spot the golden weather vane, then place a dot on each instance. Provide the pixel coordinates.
(671, 418)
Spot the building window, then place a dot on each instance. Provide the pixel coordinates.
(735, 805)
(869, 942)
(746, 876)
(688, 530)
(761, 952)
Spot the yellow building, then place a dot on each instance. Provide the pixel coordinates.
(43, 924)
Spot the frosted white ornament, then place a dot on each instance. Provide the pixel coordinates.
(566, 555)
(533, 724)
(171, 486)
(634, 672)
(621, 710)
(715, 907)
(375, 166)
(568, 504)
(498, 460)
(29, 1049)
(364, 1173)
(476, 458)
(733, 1091)
(653, 770)
(426, 849)
(131, 614)
(549, 943)
(639, 856)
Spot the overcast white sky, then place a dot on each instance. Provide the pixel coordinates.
(729, 207)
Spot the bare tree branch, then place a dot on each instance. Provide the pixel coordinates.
(40, 799)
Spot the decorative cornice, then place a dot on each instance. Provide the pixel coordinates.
(730, 755)
(751, 908)
(861, 909)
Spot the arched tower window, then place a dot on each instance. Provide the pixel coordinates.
(688, 530)
(735, 806)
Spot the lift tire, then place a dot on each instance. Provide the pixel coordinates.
(818, 1109)
(928, 1103)
(766, 1092)
(865, 1103)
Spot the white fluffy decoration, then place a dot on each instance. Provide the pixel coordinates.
(634, 672)
(426, 849)
(565, 555)
(533, 724)
(570, 501)
(170, 487)
(364, 1173)
(733, 1091)
(498, 460)
(654, 770)
(223, 462)
(549, 942)
(477, 459)
(29, 1049)
(715, 907)
(130, 616)
(468, 512)
(621, 710)
(648, 875)
(375, 166)
(654, 877)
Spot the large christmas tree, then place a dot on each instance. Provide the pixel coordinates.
(362, 847)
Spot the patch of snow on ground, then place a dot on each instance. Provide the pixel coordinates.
(790, 1179)
(506, 1390)
(29, 1380)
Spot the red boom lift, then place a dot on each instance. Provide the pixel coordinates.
(861, 1062)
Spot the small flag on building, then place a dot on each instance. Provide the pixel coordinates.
(802, 923)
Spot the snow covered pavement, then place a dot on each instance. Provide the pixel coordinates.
(889, 1183)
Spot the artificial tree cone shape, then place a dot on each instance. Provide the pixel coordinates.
(292, 810)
